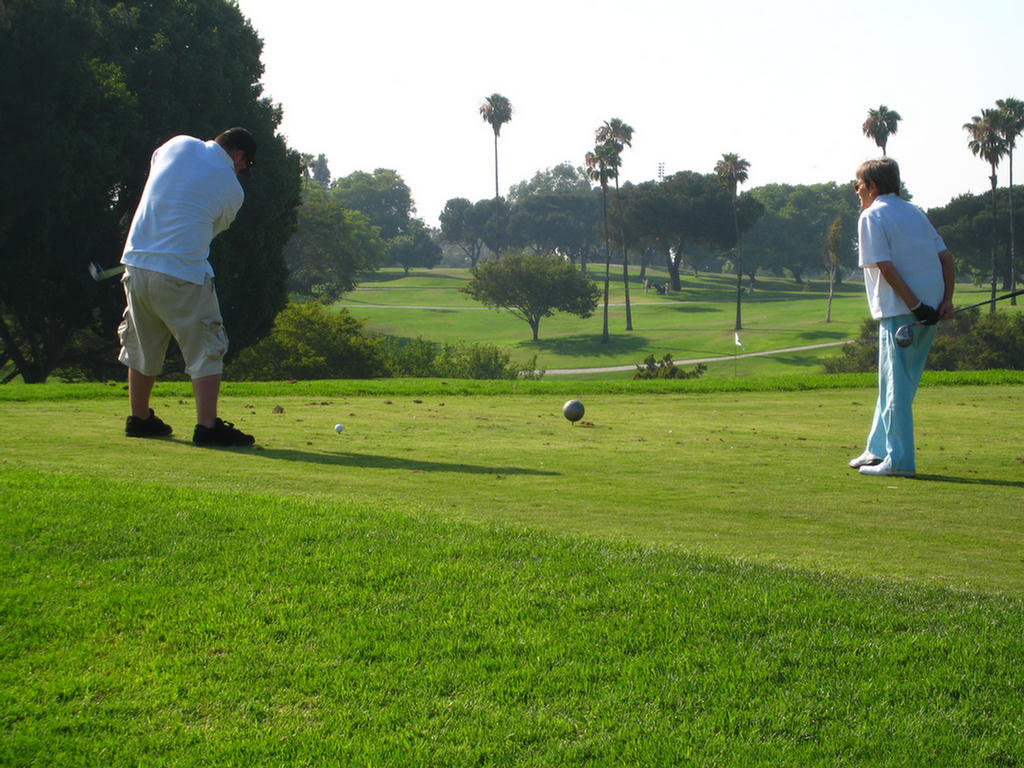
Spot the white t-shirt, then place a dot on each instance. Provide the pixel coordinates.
(891, 229)
(191, 195)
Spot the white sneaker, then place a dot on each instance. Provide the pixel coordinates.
(866, 459)
(885, 469)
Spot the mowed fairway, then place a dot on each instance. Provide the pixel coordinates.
(463, 578)
(694, 323)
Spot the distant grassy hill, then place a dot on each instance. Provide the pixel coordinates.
(694, 323)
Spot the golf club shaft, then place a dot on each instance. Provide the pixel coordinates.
(981, 303)
(989, 301)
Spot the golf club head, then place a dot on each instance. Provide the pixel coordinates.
(904, 336)
(98, 273)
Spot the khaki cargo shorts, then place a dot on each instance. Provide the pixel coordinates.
(160, 306)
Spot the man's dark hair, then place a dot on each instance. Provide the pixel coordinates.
(883, 172)
(238, 138)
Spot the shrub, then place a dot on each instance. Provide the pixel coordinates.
(413, 358)
(421, 358)
(976, 342)
(666, 369)
(308, 342)
(860, 356)
(474, 361)
(971, 341)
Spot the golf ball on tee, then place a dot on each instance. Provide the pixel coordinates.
(339, 428)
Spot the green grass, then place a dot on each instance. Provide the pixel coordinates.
(688, 577)
(695, 323)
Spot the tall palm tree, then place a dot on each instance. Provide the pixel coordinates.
(881, 123)
(599, 164)
(618, 135)
(987, 143)
(1012, 126)
(732, 171)
(496, 110)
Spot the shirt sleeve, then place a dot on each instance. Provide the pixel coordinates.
(873, 242)
(228, 212)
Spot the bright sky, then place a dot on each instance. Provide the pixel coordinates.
(785, 84)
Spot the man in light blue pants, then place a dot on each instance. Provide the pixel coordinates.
(908, 275)
(899, 373)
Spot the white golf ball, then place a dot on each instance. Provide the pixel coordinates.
(339, 428)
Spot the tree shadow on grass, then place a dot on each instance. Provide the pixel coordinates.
(682, 307)
(583, 344)
(807, 337)
(371, 461)
(970, 480)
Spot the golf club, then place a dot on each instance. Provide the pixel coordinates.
(905, 333)
(98, 273)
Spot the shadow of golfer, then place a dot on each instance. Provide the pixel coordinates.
(971, 480)
(371, 461)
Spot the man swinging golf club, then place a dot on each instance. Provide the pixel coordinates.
(191, 195)
(908, 274)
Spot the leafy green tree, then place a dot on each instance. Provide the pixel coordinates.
(557, 211)
(987, 142)
(533, 286)
(561, 222)
(55, 215)
(793, 232)
(331, 246)
(309, 342)
(965, 224)
(465, 225)
(382, 196)
(732, 171)
(562, 178)
(1011, 126)
(496, 111)
(87, 91)
(684, 212)
(415, 249)
(618, 135)
(881, 123)
(319, 171)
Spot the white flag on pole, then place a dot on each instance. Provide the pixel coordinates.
(738, 342)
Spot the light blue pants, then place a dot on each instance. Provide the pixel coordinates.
(899, 373)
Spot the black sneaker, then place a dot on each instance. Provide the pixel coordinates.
(221, 433)
(148, 427)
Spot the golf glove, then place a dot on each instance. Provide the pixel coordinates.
(927, 315)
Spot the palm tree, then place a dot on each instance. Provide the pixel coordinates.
(1012, 126)
(987, 143)
(599, 168)
(732, 171)
(618, 135)
(881, 123)
(496, 110)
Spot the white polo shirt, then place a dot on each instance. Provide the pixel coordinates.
(191, 195)
(891, 229)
